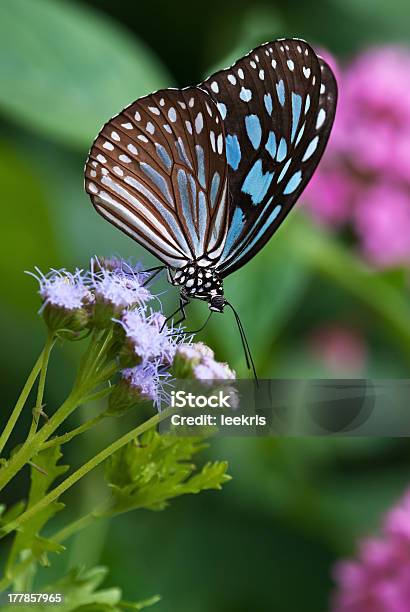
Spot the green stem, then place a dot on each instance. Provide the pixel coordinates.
(41, 384)
(21, 402)
(78, 525)
(67, 437)
(71, 529)
(336, 262)
(87, 379)
(83, 470)
(31, 447)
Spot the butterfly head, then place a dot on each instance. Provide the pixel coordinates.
(201, 283)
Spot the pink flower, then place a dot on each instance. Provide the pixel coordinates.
(375, 102)
(330, 195)
(364, 177)
(341, 349)
(382, 223)
(379, 580)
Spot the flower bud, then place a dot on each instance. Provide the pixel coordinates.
(66, 297)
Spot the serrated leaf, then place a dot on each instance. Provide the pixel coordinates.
(44, 471)
(80, 591)
(150, 472)
(65, 69)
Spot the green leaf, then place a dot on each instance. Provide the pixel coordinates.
(44, 471)
(26, 231)
(80, 590)
(157, 468)
(66, 69)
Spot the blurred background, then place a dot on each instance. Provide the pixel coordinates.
(327, 297)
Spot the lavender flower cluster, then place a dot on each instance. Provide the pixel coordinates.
(379, 579)
(113, 294)
(364, 178)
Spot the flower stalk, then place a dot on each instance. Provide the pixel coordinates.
(6, 433)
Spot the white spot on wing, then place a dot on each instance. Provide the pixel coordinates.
(290, 64)
(321, 116)
(212, 139)
(132, 149)
(125, 159)
(199, 123)
(232, 79)
(245, 94)
(220, 144)
(127, 126)
(215, 86)
(172, 114)
(108, 145)
(115, 136)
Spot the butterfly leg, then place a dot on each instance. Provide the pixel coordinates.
(183, 301)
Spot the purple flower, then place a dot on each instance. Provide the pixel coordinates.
(198, 361)
(210, 370)
(148, 382)
(63, 289)
(147, 336)
(65, 298)
(379, 579)
(120, 286)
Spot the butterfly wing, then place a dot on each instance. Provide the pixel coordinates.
(158, 172)
(278, 104)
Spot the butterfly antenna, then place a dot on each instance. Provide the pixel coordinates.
(246, 349)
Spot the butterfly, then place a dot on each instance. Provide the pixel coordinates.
(202, 177)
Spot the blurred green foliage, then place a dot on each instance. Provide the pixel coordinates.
(293, 505)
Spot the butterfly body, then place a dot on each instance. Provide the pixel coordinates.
(202, 177)
(202, 283)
